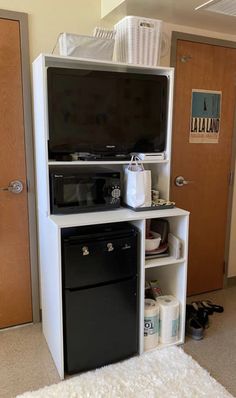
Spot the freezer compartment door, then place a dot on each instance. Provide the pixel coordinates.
(93, 262)
(100, 325)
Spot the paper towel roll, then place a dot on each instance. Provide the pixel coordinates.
(169, 319)
(151, 324)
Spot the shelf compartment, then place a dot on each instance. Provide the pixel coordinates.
(172, 280)
(178, 227)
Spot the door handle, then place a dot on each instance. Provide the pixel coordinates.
(15, 186)
(180, 181)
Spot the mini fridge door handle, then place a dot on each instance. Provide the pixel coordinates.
(110, 247)
(85, 250)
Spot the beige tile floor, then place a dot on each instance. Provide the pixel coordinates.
(217, 351)
(26, 364)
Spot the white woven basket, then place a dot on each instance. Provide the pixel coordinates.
(138, 41)
(86, 46)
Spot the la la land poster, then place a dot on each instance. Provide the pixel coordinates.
(205, 116)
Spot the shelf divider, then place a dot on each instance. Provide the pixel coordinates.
(159, 262)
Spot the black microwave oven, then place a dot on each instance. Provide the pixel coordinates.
(77, 190)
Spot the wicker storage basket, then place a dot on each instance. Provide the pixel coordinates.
(138, 41)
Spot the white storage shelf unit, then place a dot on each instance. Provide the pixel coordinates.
(170, 272)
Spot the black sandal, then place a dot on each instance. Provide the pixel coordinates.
(194, 329)
(212, 307)
(200, 313)
(198, 305)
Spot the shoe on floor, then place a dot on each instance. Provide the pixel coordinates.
(199, 313)
(194, 329)
(213, 307)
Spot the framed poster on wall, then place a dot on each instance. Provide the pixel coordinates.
(205, 116)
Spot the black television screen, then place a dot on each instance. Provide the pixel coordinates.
(106, 112)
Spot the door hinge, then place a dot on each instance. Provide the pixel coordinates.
(231, 178)
(27, 185)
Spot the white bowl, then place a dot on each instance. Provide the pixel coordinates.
(153, 242)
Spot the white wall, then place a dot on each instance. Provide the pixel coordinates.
(109, 5)
(47, 18)
(232, 242)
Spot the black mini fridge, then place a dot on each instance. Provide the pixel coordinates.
(100, 295)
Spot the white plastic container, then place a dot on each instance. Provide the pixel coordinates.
(138, 41)
(86, 46)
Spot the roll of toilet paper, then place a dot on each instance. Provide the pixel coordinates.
(151, 324)
(169, 319)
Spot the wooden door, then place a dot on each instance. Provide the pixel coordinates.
(15, 282)
(206, 165)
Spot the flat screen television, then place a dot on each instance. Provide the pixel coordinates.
(106, 113)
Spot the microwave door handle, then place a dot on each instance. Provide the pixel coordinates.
(57, 191)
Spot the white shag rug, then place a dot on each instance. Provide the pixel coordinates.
(165, 373)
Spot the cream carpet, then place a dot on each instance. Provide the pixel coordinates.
(166, 373)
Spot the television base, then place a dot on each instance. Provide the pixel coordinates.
(149, 156)
(102, 157)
